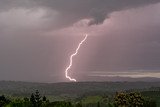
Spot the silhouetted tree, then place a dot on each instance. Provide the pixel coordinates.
(98, 104)
(3, 101)
(36, 99)
(32, 100)
(44, 98)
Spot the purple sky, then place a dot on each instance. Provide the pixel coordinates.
(38, 36)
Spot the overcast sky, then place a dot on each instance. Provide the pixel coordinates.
(37, 38)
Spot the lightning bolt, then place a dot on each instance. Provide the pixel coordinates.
(71, 58)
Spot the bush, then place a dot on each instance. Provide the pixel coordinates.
(132, 99)
(4, 101)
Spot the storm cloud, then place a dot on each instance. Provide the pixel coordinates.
(37, 37)
(63, 13)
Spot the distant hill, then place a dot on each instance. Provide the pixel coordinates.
(73, 89)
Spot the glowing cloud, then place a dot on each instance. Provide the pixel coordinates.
(71, 58)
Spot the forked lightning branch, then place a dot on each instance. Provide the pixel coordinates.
(71, 60)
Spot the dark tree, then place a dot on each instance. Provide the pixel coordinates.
(35, 99)
(132, 99)
(3, 101)
(44, 98)
(32, 100)
(38, 98)
(98, 104)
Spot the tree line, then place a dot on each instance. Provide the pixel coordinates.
(120, 99)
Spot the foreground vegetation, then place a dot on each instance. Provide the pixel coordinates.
(120, 99)
(86, 94)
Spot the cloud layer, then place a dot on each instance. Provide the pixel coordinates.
(37, 37)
